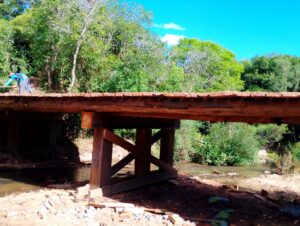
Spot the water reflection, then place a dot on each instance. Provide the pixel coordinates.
(25, 180)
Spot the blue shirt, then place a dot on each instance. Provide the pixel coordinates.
(17, 76)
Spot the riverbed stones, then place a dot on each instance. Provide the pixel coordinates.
(47, 207)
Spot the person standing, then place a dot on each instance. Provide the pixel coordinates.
(22, 80)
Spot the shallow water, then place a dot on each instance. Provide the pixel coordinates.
(12, 181)
(229, 175)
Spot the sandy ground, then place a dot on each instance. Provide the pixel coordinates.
(65, 207)
(277, 186)
(188, 197)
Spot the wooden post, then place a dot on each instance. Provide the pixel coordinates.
(101, 160)
(101, 169)
(143, 144)
(167, 146)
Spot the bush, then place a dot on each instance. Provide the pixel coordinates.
(287, 162)
(228, 144)
(187, 140)
(295, 150)
(269, 134)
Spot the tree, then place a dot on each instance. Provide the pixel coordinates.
(6, 44)
(207, 65)
(89, 8)
(12, 8)
(274, 73)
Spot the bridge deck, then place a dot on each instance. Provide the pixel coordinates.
(105, 112)
(219, 106)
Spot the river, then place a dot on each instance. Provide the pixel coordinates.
(12, 181)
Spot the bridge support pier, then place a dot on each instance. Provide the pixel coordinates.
(102, 170)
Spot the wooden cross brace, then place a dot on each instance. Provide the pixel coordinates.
(104, 138)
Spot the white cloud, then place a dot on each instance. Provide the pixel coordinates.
(170, 26)
(172, 40)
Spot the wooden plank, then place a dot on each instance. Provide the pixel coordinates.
(96, 158)
(156, 137)
(119, 122)
(34, 116)
(167, 146)
(162, 165)
(121, 164)
(109, 136)
(213, 118)
(143, 146)
(113, 138)
(101, 160)
(112, 205)
(87, 120)
(138, 182)
(257, 106)
(106, 162)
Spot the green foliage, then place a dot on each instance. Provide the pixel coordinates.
(207, 66)
(287, 162)
(117, 52)
(229, 144)
(295, 150)
(269, 134)
(12, 8)
(274, 73)
(5, 47)
(188, 139)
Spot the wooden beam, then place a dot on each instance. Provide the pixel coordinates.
(101, 160)
(121, 164)
(87, 120)
(162, 165)
(167, 146)
(138, 182)
(106, 163)
(245, 107)
(121, 122)
(120, 142)
(212, 118)
(111, 137)
(143, 146)
(156, 137)
(240, 104)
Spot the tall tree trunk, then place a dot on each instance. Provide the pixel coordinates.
(80, 40)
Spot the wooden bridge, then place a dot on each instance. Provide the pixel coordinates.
(144, 112)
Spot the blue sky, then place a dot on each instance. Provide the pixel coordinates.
(246, 27)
